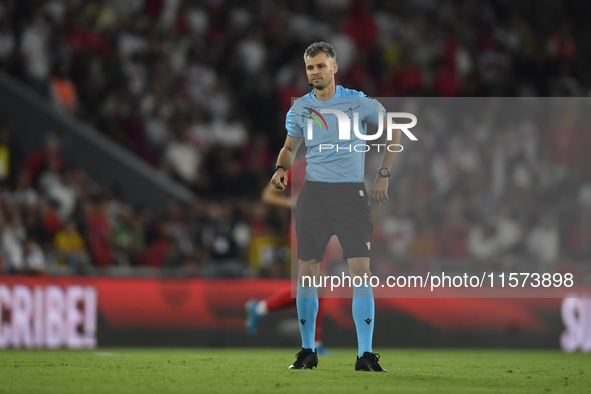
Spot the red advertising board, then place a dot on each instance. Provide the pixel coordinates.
(63, 311)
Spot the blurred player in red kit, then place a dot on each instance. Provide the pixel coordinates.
(256, 310)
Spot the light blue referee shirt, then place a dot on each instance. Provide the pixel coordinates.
(344, 162)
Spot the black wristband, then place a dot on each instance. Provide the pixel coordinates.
(278, 167)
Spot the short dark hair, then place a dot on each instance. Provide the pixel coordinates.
(318, 47)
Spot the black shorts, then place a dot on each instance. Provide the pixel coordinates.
(325, 209)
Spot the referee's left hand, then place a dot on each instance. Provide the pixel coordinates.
(380, 190)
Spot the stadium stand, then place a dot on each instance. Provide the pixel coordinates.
(199, 89)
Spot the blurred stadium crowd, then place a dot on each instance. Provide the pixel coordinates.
(200, 88)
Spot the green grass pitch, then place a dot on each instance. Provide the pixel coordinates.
(265, 371)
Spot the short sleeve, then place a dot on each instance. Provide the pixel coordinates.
(291, 124)
(372, 110)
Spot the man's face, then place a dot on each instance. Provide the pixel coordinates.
(320, 70)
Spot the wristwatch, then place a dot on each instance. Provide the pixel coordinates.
(278, 167)
(384, 172)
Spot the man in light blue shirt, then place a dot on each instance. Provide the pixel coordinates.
(332, 121)
(341, 162)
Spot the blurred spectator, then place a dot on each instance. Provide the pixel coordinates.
(256, 160)
(12, 237)
(11, 155)
(453, 231)
(398, 231)
(183, 159)
(424, 243)
(133, 134)
(579, 233)
(252, 53)
(60, 189)
(446, 82)
(483, 241)
(129, 238)
(34, 259)
(362, 27)
(405, 81)
(543, 242)
(508, 231)
(160, 250)
(230, 133)
(227, 239)
(50, 157)
(23, 195)
(50, 221)
(268, 250)
(63, 92)
(35, 49)
(562, 44)
(71, 248)
(98, 233)
(179, 234)
(82, 38)
(136, 74)
(200, 79)
(7, 42)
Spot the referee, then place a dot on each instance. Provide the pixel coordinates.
(333, 199)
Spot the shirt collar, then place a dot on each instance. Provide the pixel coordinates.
(338, 93)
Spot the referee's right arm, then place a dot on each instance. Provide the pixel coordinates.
(284, 160)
